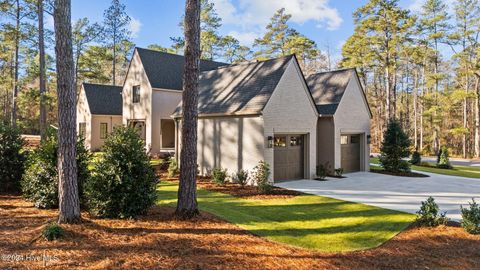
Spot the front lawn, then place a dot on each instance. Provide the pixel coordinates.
(463, 171)
(307, 221)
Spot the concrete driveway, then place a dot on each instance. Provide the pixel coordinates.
(393, 192)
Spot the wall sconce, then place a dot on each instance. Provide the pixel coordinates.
(270, 141)
(369, 139)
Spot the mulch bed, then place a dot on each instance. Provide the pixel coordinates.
(403, 174)
(159, 241)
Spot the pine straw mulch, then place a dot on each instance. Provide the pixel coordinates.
(246, 192)
(403, 174)
(158, 241)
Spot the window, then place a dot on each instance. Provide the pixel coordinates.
(280, 141)
(295, 140)
(344, 139)
(82, 127)
(103, 130)
(136, 94)
(355, 139)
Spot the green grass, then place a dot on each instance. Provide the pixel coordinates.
(463, 171)
(307, 221)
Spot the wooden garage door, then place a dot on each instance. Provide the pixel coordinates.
(350, 153)
(288, 157)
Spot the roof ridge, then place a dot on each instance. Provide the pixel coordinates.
(331, 71)
(174, 54)
(247, 63)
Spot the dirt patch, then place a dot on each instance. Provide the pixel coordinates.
(159, 241)
(403, 174)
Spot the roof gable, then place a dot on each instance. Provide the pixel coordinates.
(239, 89)
(327, 89)
(103, 99)
(164, 70)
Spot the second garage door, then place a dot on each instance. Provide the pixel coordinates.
(350, 153)
(288, 157)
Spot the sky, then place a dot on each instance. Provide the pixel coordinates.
(328, 22)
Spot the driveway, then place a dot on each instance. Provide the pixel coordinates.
(393, 192)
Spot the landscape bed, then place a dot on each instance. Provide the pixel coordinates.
(156, 240)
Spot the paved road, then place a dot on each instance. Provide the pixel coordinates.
(453, 161)
(393, 192)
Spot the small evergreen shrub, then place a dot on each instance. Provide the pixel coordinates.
(321, 172)
(443, 159)
(471, 218)
(173, 168)
(429, 214)
(261, 172)
(242, 177)
(40, 181)
(219, 175)
(395, 147)
(123, 183)
(12, 159)
(416, 158)
(52, 231)
(339, 172)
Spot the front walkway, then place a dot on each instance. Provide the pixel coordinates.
(393, 192)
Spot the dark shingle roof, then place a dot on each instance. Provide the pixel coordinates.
(104, 99)
(239, 89)
(327, 89)
(164, 70)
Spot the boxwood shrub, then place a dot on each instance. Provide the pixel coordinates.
(40, 181)
(123, 183)
(12, 159)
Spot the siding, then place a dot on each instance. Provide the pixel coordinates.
(291, 110)
(352, 117)
(232, 143)
(112, 121)
(143, 110)
(83, 115)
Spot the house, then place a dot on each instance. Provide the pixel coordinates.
(268, 111)
(151, 92)
(261, 110)
(99, 110)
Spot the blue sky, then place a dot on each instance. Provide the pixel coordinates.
(327, 22)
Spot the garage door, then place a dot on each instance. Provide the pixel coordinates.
(288, 157)
(350, 153)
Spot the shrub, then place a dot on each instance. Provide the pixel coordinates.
(12, 159)
(40, 181)
(242, 177)
(173, 169)
(471, 218)
(219, 175)
(429, 215)
(443, 159)
(261, 172)
(52, 231)
(395, 147)
(321, 172)
(339, 172)
(416, 158)
(123, 183)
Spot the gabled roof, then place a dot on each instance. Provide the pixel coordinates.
(239, 89)
(104, 99)
(327, 89)
(164, 70)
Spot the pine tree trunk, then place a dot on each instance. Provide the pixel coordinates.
(15, 78)
(114, 61)
(42, 75)
(187, 206)
(415, 110)
(477, 117)
(69, 203)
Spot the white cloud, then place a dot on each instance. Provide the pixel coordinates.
(245, 38)
(49, 23)
(250, 13)
(134, 26)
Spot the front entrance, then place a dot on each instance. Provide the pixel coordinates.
(288, 157)
(350, 152)
(139, 126)
(167, 133)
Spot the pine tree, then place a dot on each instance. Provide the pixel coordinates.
(395, 147)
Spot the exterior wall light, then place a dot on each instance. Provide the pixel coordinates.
(270, 141)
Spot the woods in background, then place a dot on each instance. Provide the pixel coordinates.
(422, 69)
